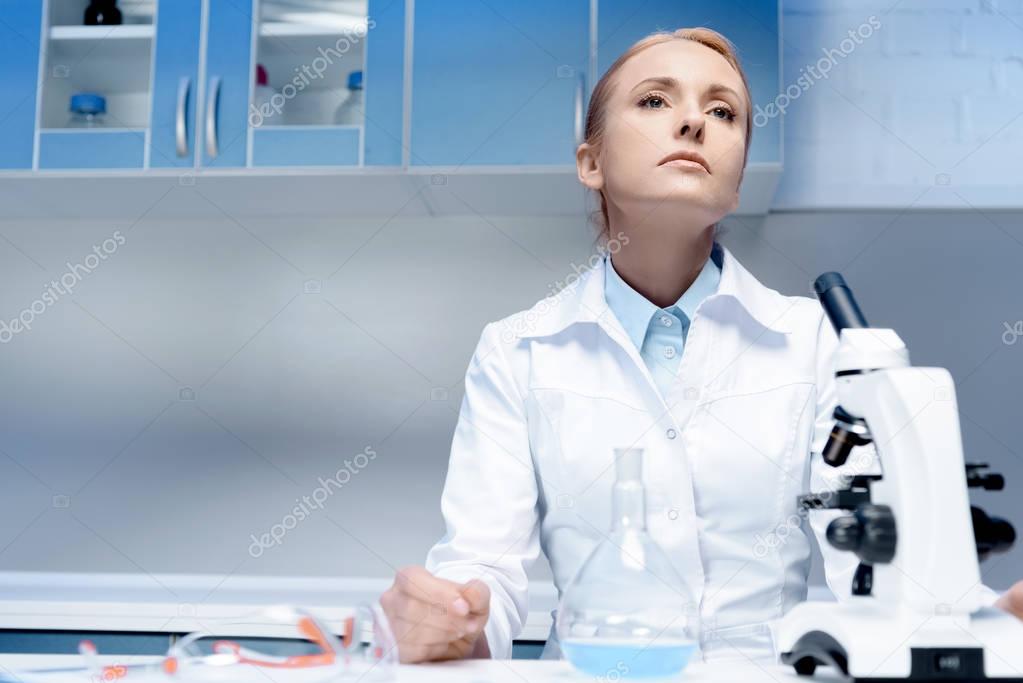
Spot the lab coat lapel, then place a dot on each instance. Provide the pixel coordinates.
(582, 301)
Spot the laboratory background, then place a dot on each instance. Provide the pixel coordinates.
(247, 248)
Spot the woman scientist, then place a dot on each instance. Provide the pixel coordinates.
(668, 344)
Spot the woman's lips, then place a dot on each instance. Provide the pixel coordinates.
(685, 164)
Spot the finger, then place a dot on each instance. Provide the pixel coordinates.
(1012, 600)
(444, 595)
(412, 653)
(476, 594)
(420, 584)
(476, 623)
(421, 633)
(431, 614)
(421, 612)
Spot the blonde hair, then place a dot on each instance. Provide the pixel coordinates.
(596, 115)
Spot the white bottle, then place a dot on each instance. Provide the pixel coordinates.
(262, 101)
(349, 113)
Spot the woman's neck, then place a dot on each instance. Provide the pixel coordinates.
(663, 269)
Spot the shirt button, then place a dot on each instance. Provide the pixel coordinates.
(671, 433)
(666, 320)
(669, 351)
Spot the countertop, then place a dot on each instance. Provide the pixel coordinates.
(485, 671)
(181, 603)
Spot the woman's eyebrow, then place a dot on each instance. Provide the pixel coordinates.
(666, 82)
(669, 83)
(719, 87)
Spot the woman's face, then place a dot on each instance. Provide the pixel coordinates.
(671, 98)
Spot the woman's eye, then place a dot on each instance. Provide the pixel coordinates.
(652, 98)
(727, 114)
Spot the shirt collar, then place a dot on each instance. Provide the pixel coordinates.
(583, 300)
(634, 310)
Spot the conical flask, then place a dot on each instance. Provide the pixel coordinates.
(628, 613)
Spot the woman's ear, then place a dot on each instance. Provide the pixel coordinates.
(587, 163)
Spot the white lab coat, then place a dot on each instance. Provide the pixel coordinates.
(550, 392)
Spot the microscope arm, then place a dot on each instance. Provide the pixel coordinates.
(839, 566)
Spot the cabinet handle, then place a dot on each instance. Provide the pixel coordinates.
(580, 95)
(180, 126)
(211, 118)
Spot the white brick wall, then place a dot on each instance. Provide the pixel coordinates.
(927, 111)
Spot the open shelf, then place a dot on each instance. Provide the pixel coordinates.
(276, 29)
(97, 130)
(93, 33)
(71, 13)
(113, 61)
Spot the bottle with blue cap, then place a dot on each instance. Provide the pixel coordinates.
(349, 113)
(88, 110)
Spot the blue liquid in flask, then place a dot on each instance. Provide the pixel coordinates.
(631, 658)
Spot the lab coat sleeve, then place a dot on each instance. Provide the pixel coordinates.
(839, 566)
(489, 502)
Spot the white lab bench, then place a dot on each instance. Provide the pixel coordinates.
(137, 605)
(497, 671)
(45, 614)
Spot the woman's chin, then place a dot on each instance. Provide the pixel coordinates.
(667, 217)
(691, 196)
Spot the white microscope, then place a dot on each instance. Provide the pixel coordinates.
(915, 610)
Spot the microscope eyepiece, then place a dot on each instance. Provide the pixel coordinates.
(838, 302)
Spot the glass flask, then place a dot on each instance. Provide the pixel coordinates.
(366, 649)
(273, 644)
(628, 613)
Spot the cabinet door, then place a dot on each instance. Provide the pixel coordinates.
(498, 83)
(751, 25)
(385, 82)
(175, 84)
(20, 24)
(319, 76)
(227, 87)
(103, 72)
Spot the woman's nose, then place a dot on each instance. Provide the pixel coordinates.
(692, 127)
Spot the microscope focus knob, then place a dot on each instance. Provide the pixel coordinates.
(869, 532)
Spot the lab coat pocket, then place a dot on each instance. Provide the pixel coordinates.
(746, 442)
(574, 442)
(584, 429)
(746, 453)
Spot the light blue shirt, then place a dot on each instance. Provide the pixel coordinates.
(659, 333)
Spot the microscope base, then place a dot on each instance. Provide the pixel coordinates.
(867, 641)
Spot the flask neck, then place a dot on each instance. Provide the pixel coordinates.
(628, 505)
